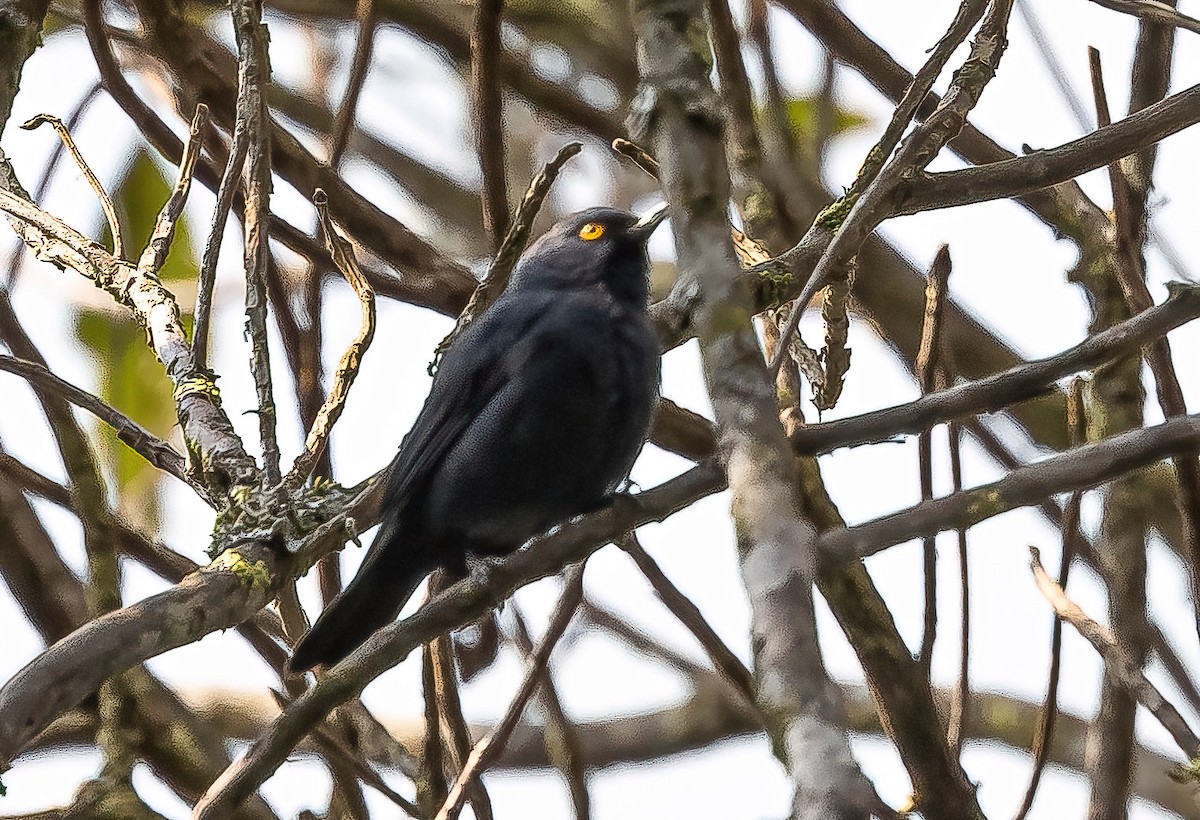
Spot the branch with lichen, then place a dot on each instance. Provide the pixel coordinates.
(218, 458)
(855, 215)
(679, 113)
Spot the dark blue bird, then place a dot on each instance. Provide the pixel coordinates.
(536, 415)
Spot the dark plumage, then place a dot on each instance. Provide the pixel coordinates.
(536, 414)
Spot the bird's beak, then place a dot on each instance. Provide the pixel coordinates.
(646, 225)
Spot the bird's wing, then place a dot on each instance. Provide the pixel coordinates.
(473, 371)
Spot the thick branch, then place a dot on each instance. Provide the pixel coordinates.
(1041, 169)
(1003, 389)
(1078, 469)
(679, 113)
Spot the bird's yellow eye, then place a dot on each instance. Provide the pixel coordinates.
(592, 230)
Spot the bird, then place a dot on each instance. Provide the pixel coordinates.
(536, 414)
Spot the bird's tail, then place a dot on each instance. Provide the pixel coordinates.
(372, 600)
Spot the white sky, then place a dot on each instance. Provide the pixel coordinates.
(1008, 270)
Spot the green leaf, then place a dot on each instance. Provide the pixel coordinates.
(802, 115)
(132, 380)
(130, 377)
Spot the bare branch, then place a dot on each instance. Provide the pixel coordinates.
(487, 104)
(727, 663)
(449, 708)
(254, 74)
(1117, 661)
(1040, 169)
(1153, 12)
(343, 378)
(488, 749)
(998, 391)
(149, 446)
(562, 739)
(340, 135)
(1078, 469)
(106, 205)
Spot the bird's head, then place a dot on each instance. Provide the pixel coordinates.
(599, 246)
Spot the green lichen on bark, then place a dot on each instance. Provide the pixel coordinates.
(255, 575)
(834, 214)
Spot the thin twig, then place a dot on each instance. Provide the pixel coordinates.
(561, 738)
(926, 367)
(347, 369)
(498, 272)
(334, 748)
(1046, 51)
(637, 155)
(255, 69)
(1071, 536)
(449, 702)
(727, 663)
(226, 192)
(961, 696)
(488, 749)
(878, 181)
(149, 446)
(1117, 661)
(364, 10)
(487, 104)
(594, 615)
(155, 254)
(10, 278)
(21, 475)
(110, 213)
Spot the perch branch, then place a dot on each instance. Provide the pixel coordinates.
(465, 601)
